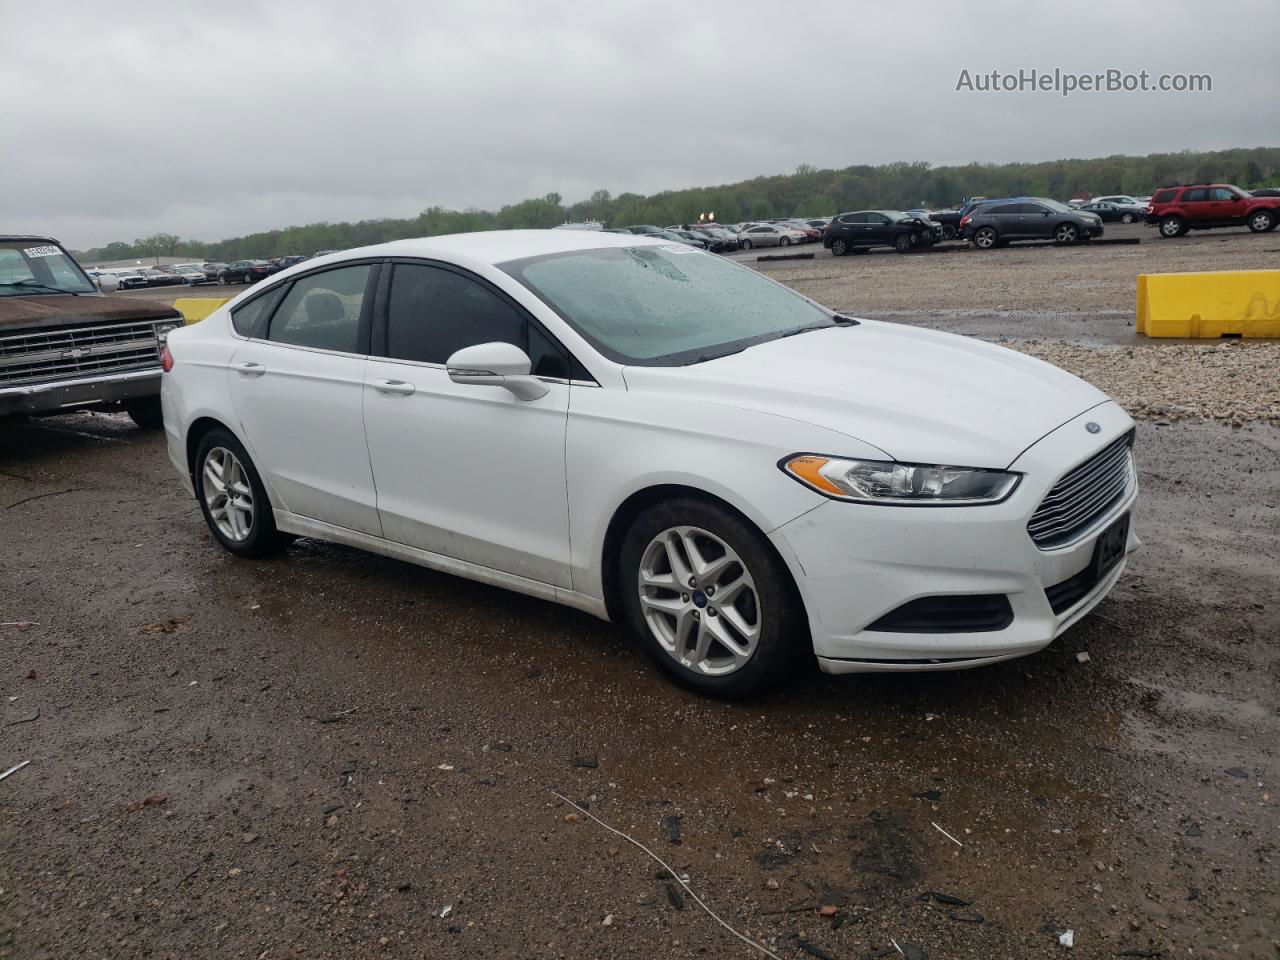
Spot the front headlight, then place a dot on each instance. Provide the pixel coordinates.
(164, 329)
(905, 484)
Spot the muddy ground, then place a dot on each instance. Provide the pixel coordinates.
(314, 755)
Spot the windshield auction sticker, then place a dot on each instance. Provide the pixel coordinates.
(32, 252)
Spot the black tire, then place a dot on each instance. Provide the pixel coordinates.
(948, 232)
(903, 242)
(222, 280)
(1065, 234)
(1260, 221)
(263, 539)
(784, 641)
(985, 238)
(1126, 218)
(145, 412)
(784, 242)
(746, 244)
(1172, 226)
(839, 247)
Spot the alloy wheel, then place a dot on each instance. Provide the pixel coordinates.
(1066, 234)
(699, 601)
(228, 494)
(1260, 222)
(985, 238)
(839, 247)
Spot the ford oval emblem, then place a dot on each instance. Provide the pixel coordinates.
(1093, 427)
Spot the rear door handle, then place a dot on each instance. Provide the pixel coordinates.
(399, 387)
(248, 369)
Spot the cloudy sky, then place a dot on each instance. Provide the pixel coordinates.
(217, 119)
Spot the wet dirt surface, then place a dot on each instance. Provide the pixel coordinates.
(313, 755)
(345, 744)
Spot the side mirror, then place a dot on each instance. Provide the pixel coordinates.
(108, 282)
(496, 365)
(1044, 213)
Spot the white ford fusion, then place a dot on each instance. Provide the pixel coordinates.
(659, 436)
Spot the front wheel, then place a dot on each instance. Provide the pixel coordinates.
(984, 238)
(222, 280)
(948, 232)
(903, 242)
(145, 412)
(709, 601)
(1126, 218)
(232, 498)
(1261, 221)
(839, 247)
(1066, 233)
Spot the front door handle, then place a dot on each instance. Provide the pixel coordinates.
(249, 369)
(398, 387)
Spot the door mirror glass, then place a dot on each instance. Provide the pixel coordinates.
(496, 365)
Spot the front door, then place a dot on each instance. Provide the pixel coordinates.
(297, 388)
(469, 472)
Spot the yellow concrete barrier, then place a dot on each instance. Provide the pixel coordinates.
(195, 309)
(1242, 303)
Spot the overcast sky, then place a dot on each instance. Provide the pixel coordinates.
(218, 119)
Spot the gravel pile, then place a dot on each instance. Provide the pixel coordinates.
(1235, 381)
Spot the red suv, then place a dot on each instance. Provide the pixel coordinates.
(1199, 207)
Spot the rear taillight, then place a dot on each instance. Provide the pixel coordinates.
(166, 359)
(964, 221)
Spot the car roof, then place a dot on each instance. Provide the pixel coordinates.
(499, 246)
(4, 237)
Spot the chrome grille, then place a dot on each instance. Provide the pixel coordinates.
(41, 355)
(1082, 496)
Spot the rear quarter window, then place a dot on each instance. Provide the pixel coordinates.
(1164, 196)
(250, 319)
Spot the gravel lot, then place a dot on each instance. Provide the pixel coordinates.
(313, 755)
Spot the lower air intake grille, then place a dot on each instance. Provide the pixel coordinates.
(975, 613)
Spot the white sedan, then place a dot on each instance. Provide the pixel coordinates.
(664, 438)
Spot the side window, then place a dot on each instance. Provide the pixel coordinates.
(1163, 196)
(433, 312)
(323, 310)
(1001, 210)
(877, 218)
(1222, 193)
(250, 320)
(1195, 196)
(1030, 209)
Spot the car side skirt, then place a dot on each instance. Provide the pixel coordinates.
(288, 522)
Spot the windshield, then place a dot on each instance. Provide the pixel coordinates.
(33, 267)
(1057, 207)
(665, 305)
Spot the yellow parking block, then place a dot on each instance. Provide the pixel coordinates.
(195, 309)
(1242, 303)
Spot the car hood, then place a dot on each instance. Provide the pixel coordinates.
(61, 310)
(918, 395)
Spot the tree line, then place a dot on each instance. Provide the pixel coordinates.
(809, 192)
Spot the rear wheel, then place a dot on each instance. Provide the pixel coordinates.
(984, 238)
(746, 244)
(1260, 221)
(948, 232)
(709, 601)
(784, 242)
(145, 412)
(839, 247)
(233, 499)
(1066, 233)
(1172, 226)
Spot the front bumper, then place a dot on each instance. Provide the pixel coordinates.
(87, 391)
(1094, 229)
(855, 563)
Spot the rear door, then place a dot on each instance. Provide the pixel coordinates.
(1005, 218)
(465, 471)
(297, 384)
(1195, 205)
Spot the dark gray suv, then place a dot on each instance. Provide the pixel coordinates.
(1034, 218)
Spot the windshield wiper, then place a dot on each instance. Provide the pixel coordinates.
(33, 284)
